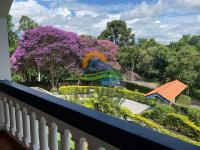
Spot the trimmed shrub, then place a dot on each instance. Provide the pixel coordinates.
(183, 125)
(107, 91)
(184, 100)
(194, 116)
(136, 87)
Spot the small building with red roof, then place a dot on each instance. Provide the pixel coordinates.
(167, 92)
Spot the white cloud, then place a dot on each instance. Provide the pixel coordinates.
(145, 10)
(165, 20)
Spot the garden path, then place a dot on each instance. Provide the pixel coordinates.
(135, 107)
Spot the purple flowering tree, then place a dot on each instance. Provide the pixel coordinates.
(109, 49)
(47, 49)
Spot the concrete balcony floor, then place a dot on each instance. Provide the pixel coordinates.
(7, 143)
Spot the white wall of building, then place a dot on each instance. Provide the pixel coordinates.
(5, 72)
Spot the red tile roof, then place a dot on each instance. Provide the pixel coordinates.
(169, 90)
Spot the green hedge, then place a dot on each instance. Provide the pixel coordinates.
(195, 93)
(138, 119)
(183, 125)
(107, 91)
(184, 100)
(192, 113)
(136, 87)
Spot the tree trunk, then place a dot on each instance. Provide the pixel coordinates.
(53, 85)
(132, 69)
(39, 75)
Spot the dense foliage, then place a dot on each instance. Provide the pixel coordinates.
(161, 63)
(183, 125)
(52, 51)
(153, 61)
(26, 23)
(12, 35)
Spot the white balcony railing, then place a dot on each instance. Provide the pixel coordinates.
(40, 121)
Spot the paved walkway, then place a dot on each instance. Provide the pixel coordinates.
(135, 107)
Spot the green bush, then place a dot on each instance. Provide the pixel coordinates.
(181, 108)
(147, 113)
(125, 113)
(159, 113)
(183, 125)
(184, 100)
(194, 116)
(16, 77)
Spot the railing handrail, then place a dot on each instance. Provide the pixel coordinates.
(119, 133)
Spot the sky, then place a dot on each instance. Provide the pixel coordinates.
(164, 20)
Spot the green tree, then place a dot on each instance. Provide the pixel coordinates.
(153, 61)
(145, 43)
(184, 65)
(12, 35)
(26, 23)
(128, 57)
(118, 32)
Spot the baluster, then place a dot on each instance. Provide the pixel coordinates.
(53, 137)
(26, 127)
(43, 134)
(2, 117)
(80, 144)
(19, 123)
(34, 132)
(12, 119)
(7, 114)
(65, 140)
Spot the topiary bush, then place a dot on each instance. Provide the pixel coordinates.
(184, 100)
(183, 125)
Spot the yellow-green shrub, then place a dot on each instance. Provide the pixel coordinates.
(194, 116)
(138, 119)
(183, 125)
(148, 123)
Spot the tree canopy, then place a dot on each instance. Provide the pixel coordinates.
(26, 23)
(118, 32)
(12, 35)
